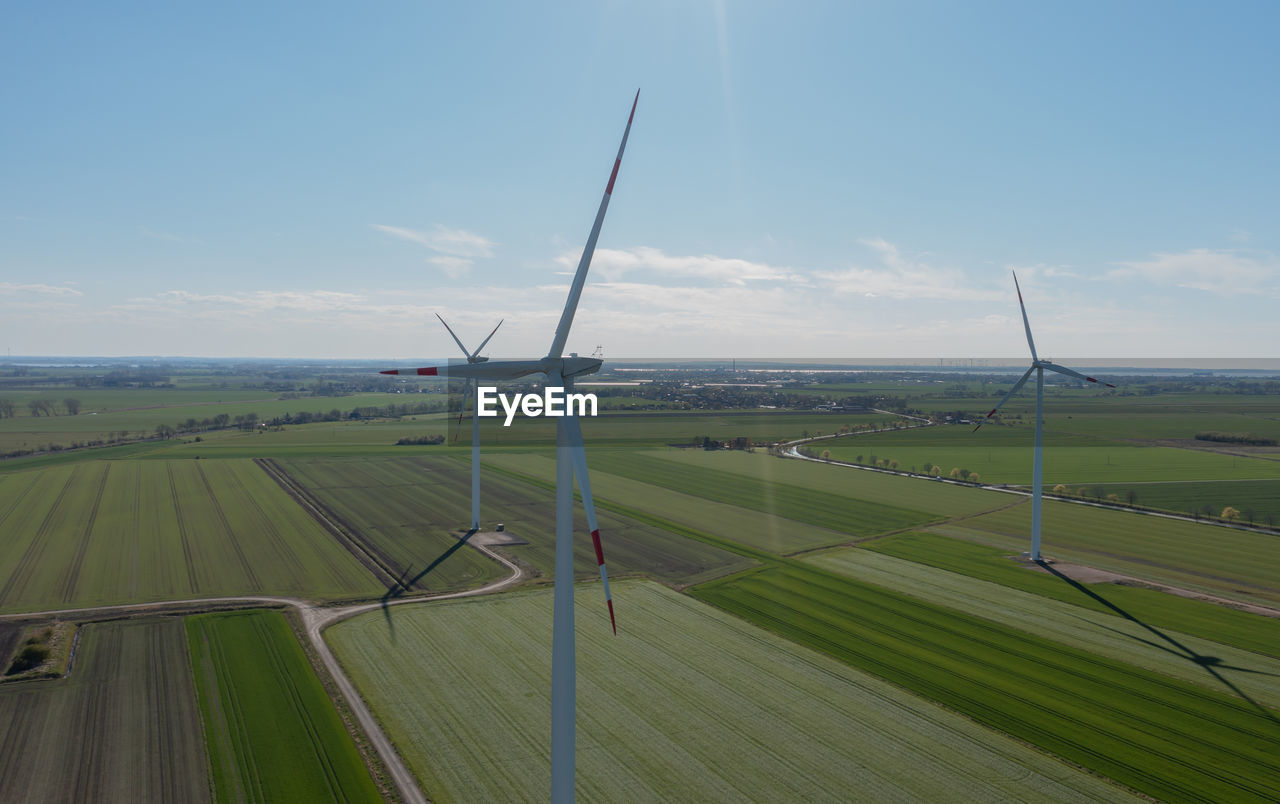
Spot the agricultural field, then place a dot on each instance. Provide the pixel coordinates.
(123, 726)
(1113, 621)
(1257, 501)
(728, 523)
(1167, 738)
(943, 500)
(686, 703)
(1236, 564)
(408, 511)
(1210, 621)
(97, 533)
(270, 729)
(794, 502)
(1088, 465)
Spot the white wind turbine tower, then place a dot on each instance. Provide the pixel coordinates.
(1038, 366)
(571, 462)
(472, 357)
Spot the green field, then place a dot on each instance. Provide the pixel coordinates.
(1256, 500)
(1203, 619)
(1170, 739)
(1110, 620)
(108, 532)
(1088, 466)
(270, 730)
(408, 510)
(1222, 561)
(938, 499)
(770, 496)
(123, 726)
(686, 703)
(729, 523)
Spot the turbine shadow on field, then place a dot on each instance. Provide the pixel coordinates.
(1211, 664)
(401, 585)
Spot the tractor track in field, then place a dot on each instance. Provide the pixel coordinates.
(315, 619)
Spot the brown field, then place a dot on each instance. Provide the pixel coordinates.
(123, 726)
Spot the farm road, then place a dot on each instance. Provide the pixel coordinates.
(314, 620)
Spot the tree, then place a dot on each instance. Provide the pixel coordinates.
(858, 458)
(1230, 514)
(826, 455)
(1132, 496)
(955, 473)
(72, 406)
(974, 477)
(1061, 489)
(893, 464)
(6, 408)
(164, 431)
(964, 474)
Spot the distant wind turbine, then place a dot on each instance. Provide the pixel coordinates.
(571, 462)
(1038, 366)
(474, 388)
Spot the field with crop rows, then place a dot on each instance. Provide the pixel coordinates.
(1221, 561)
(1200, 618)
(794, 502)
(1076, 466)
(731, 523)
(1256, 500)
(407, 511)
(1170, 739)
(270, 730)
(104, 532)
(123, 726)
(938, 499)
(1110, 627)
(686, 703)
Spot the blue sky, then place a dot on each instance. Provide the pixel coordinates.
(816, 180)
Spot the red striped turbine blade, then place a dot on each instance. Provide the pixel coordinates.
(422, 372)
(604, 577)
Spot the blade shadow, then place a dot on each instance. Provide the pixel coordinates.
(402, 585)
(1210, 664)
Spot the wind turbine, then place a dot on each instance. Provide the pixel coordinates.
(1038, 366)
(472, 357)
(571, 462)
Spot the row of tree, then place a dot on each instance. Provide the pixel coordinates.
(40, 407)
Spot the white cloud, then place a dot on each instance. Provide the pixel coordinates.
(901, 277)
(614, 264)
(1224, 272)
(11, 288)
(453, 242)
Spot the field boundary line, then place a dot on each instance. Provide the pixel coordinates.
(380, 566)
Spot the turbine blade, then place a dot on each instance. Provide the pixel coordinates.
(588, 505)
(1016, 387)
(455, 337)
(580, 278)
(474, 354)
(430, 371)
(1025, 324)
(466, 394)
(1076, 374)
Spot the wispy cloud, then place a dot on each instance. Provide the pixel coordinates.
(901, 277)
(453, 267)
(12, 288)
(454, 242)
(614, 264)
(1224, 272)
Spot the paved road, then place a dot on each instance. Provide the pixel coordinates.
(315, 619)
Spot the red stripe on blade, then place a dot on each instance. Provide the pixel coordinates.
(613, 177)
(392, 371)
(427, 372)
(595, 540)
(612, 621)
